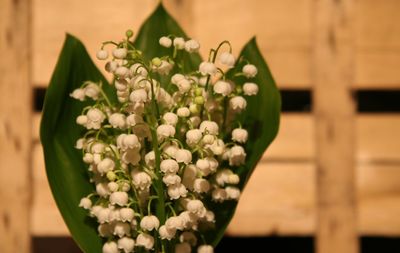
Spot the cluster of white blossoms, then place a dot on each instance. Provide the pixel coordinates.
(156, 151)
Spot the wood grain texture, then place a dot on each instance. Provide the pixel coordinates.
(283, 29)
(15, 119)
(279, 200)
(377, 138)
(333, 62)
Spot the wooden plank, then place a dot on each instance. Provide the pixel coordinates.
(336, 229)
(15, 117)
(287, 46)
(377, 69)
(377, 138)
(377, 25)
(46, 220)
(92, 24)
(279, 200)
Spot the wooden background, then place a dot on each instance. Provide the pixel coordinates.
(285, 196)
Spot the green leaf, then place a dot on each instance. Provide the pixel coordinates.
(261, 119)
(66, 172)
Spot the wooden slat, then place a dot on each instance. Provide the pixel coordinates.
(336, 228)
(377, 25)
(15, 119)
(279, 199)
(93, 24)
(45, 218)
(377, 138)
(283, 28)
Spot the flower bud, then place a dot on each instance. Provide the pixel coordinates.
(227, 59)
(165, 42)
(102, 55)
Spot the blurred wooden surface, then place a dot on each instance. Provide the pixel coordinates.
(15, 122)
(284, 183)
(334, 109)
(283, 29)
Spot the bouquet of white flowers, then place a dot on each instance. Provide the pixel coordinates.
(167, 146)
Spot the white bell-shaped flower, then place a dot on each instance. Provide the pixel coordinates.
(192, 46)
(166, 233)
(102, 189)
(238, 103)
(189, 176)
(140, 179)
(171, 149)
(183, 112)
(102, 55)
(145, 240)
(223, 88)
(117, 120)
(120, 53)
(219, 195)
(150, 159)
(119, 198)
(193, 136)
(183, 156)
(174, 222)
(237, 155)
(127, 214)
(249, 70)
(179, 43)
(138, 96)
(205, 249)
(164, 131)
(103, 215)
(232, 192)
(227, 59)
(149, 222)
(165, 41)
(121, 229)
(176, 191)
(240, 135)
(105, 166)
(201, 185)
(86, 203)
(170, 118)
(207, 68)
(94, 118)
(78, 94)
(169, 166)
(110, 247)
(92, 90)
(197, 207)
(122, 72)
(250, 89)
(209, 127)
(126, 244)
(171, 179)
